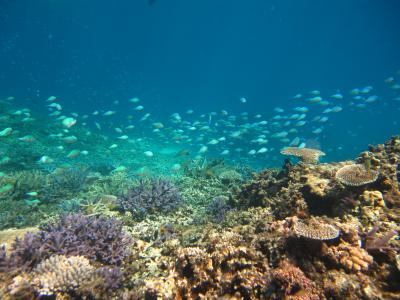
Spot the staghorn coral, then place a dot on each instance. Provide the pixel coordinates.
(307, 155)
(218, 208)
(66, 183)
(356, 175)
(316, 230)
(381, 244)
(96, 238)
(157, 195)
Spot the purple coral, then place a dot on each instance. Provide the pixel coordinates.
(96, 238)
(218, 208)
(156, 195)
(381, 244)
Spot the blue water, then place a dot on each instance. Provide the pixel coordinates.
(206, 55)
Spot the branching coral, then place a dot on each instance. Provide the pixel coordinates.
(356, 175)
(381, 244)
(157, 195)
(64, 183)
(96, 238)
(307, 155)
(218, 208)
(61, 274)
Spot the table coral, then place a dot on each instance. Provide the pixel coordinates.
(307, 155)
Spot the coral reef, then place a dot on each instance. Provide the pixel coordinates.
(302, 232)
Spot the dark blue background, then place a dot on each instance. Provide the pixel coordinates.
(203, 54)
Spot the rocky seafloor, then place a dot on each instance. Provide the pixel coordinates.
(306, 231)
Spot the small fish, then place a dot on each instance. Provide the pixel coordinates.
(323, 119)
(109, 113)
(68, 122)
(315, 92)
(225, 152)
(51, 99)
(144, 118)
(337, 96)
(123, 137)
(336, 109)
(158, 125)
(139, 107)
(113, 146)
(252, 152)
(32, 194)
(315, 99)
(119, 169)
(301, 109)
(371, 99)
(243, 100)
(27, 138)
(6, 132)
(213, 142)
(134, 100)
(262, 150)
(202, 149)
(318, 130)
(279, 110)
(148, 153)
(70, 139)
(300, 123)
(74, 153)
(45, 159)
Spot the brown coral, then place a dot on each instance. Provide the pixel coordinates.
(61, 274)
(356, 175)
(307, 155)
(352, 258)
(291, 283)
